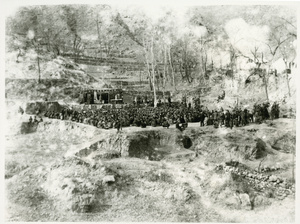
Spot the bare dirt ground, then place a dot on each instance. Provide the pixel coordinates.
(74, 172)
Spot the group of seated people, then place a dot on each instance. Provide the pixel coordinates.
(164, 115)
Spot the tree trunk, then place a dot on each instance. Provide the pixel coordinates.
(288, 84)
(266, 85)
(157, 79)
(147, 63)
(203, 68)
(287, 78)
(232, 78)
(38, 62)
(153, 72)
(164, 77)
(74, 47)
(172, 71)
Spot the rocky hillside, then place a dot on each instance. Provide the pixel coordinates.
(61, 79)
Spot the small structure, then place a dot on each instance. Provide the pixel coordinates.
(101, 96)
(114, 96)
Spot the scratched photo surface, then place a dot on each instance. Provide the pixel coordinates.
(150, 113)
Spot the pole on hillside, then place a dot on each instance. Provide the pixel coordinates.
(38, 61)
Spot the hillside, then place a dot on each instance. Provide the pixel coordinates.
(61, 79)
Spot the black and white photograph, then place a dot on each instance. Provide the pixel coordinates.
(149, 111)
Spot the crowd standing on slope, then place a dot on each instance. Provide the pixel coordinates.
(167, 114)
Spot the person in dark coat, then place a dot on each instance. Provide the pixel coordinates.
(169, 100)
(21, 111)
(265, 111)
(178, 126)
(35, 120)
(227, 119)
(215, 119)
(118, 125)
(202, 118)
(165, 123)
(143, 124)
(153, 122)
(231, 120)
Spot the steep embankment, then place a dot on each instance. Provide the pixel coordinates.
(61, 79)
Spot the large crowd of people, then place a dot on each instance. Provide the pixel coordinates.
(167, 114)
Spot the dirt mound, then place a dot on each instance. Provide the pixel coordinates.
(286, 143)
(68, 181)
(283, 140)
(27, 127)
(230, 144)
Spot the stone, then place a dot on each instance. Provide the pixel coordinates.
(259, 201)
(292, 188)
(169, 194)
(273, 178)
(232, 201)
(245, 201)
(109, 178)
(182, 194)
